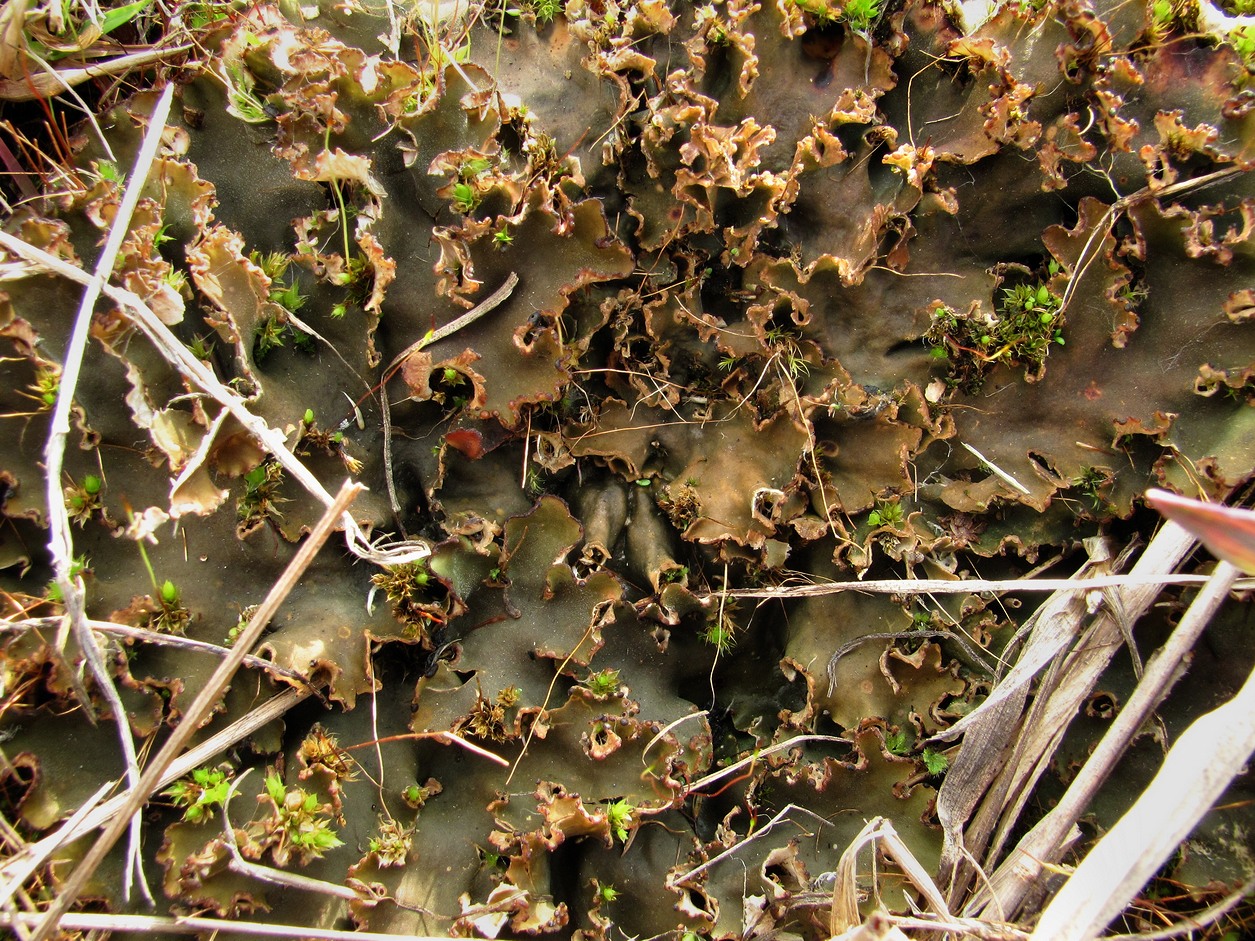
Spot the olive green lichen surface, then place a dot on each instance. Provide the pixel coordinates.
(804, 292)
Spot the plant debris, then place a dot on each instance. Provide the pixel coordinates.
(763, 296)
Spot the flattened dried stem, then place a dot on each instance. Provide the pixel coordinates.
(1043, 844)
(963, 586)
(1202, 763)
(200, 708)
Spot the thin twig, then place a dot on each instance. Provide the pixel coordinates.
(922, 586)
(162, 640)
(155, 924)
(200, 709)
(60, 539)
(677, 879)
(759, 755)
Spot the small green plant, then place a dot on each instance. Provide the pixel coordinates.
(274, 265)
(545, 10)
(1091, 483)
(1242, 39)
(261, 493)
(896, 743)
(720, 634)
(862, 14)
(242, 100)
(503, 238)
(784, 344)
(300, 820)
(1022, 333)
(171, 617)
(935, 762)
(199, 795)
(607, 893)
(46, 385)
(234, 633)
(416, 795)
(404, 584)
(603, 684)
(83, 500)
(201, 348)
(887, 513)
(465, 199)
(620, 816)
(80, 565)
(108, 170)
(162, 236)
(674, 576)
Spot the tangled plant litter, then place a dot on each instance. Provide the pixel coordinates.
(750, 283)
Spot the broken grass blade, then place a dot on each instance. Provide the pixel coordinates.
(1228, 532)
(997, 471)
(1044, 844)
(1196, 771)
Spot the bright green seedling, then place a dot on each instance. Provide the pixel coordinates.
(720, 634)
(620, 816)
(545, 10)
(465, 199)
(416, 795)
(896, 743)
(261, 493)
(42, 391)
(199, 795)
(83, 500)
(607, 893)
(862, 14)
(934, 761)
(887, 513)
(1022, 333)
(603, 684)
(173, 617)
(305, 830)
(200, 348)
